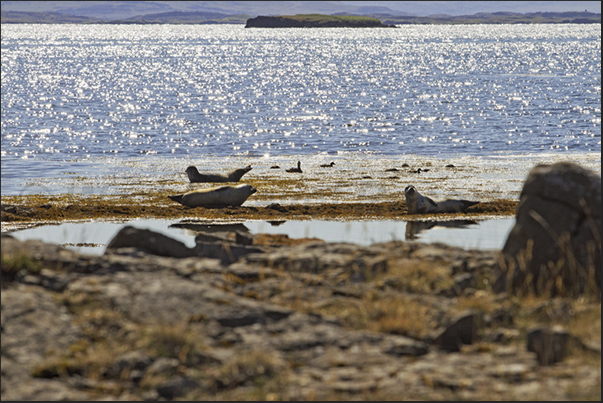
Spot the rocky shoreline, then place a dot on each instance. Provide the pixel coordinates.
(259, 318)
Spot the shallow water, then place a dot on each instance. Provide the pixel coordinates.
(353, 178)
(486, 234)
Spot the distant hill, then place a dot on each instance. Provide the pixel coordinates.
(125, 10)
(178, 17)
(22, 17)
(498, 18)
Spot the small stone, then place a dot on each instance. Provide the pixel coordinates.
(462, 330)
(549, 344)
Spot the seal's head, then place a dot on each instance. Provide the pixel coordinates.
(410, 191)
(252, 190)
(191, 171)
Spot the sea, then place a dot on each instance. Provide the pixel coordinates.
(97, 109)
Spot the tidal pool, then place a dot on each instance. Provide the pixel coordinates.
(92, 237)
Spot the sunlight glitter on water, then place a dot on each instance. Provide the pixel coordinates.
(223, 90)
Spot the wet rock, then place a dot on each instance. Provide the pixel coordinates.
(150, 242)
(555, 246)
(549, 344)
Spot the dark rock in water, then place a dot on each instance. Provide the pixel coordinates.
(150, 242)
(550, 345)
(555, 246)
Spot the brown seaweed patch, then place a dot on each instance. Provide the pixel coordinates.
(67, 207)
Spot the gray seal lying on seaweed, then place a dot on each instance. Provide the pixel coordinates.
(221, 196)
(416, 203)
(195, 176)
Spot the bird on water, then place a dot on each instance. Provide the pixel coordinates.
(298, 169)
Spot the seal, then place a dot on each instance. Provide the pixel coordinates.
(298, 169)
(221, 196)
(196, 177)
(416, 203)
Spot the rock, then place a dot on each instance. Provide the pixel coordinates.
(550, 345)
(228, 247)
(293, 323)
(462, 330)
(401, 346)
(150, 242)
(163, 366)
(176, 387)
(227, 252)
(129, 362)
(555, 246)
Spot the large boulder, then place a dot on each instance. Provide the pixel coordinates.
(555, 246)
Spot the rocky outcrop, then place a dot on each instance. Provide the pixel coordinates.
(314, 320)
(217, 246)
(555, 246)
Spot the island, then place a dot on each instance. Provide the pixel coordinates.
(315, 21)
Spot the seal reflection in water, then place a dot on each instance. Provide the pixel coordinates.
(416, 203)
(216, 197)
(196, 177)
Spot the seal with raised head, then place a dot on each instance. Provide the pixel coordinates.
(416, 203)
(196, 177)
(221, 196)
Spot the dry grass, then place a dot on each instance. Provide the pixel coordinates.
(416, 276)
(107, 336)
(12, 264)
